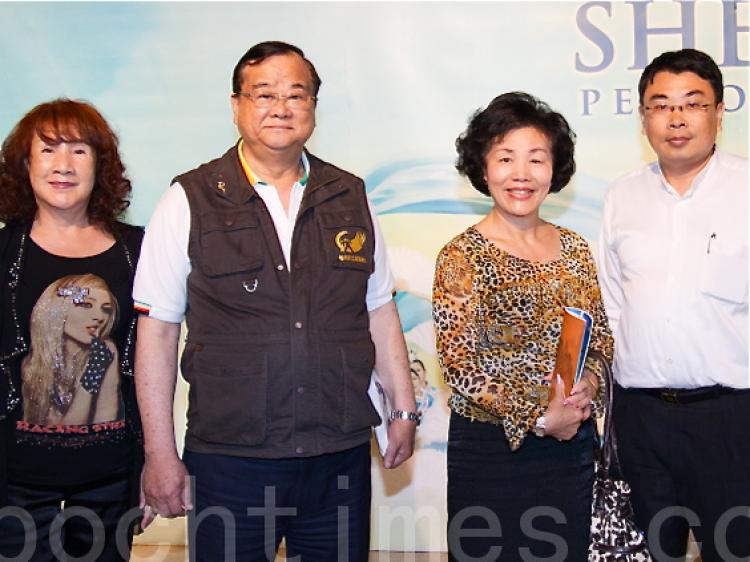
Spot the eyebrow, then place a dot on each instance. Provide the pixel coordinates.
(538, 149)
(691, 93)
(51, 141)
(267, 85)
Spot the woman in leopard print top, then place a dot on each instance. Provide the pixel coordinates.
(499, 293)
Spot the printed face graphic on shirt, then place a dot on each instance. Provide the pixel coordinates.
(87, 319)
(71, 374)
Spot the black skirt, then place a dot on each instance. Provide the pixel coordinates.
(518, 505)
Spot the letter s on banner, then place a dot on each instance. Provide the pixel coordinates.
(596, 36)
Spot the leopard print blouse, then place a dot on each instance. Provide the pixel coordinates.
(497, 320)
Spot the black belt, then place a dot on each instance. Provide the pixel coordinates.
(685, 395)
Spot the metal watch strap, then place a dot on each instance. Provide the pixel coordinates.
(408, 416)
(540, 427)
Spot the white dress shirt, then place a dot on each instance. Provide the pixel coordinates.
(161, 278)
(674, 276)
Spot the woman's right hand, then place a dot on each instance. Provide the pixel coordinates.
(561, 421)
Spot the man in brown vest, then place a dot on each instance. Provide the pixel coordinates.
(276, 263)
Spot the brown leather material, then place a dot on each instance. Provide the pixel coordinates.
(685, 395)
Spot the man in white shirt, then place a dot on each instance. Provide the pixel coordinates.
(276, 262)
(673, 268)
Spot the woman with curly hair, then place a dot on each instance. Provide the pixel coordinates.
(70, 437)
(520, 465)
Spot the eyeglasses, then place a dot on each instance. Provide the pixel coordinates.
(662, 109)
(264, 100)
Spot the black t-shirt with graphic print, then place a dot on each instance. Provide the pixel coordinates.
(75, 314)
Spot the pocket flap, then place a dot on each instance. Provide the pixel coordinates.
(341, 219)
(226, 222)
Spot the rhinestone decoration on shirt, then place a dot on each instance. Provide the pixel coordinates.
(14, 397)
(125, 367)
(64, 380)
(78, 294)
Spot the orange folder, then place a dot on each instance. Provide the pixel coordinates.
(572, 348)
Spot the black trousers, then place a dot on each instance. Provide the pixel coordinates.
(529, 504)
(96, 523)
(245, 506)
(689, 467)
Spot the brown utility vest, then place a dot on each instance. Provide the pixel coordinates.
(278, 361)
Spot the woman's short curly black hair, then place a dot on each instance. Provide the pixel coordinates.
(507, 112)
(56, 121)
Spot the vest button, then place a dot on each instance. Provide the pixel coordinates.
(299, 450)
(298, 325)
(300, 390)
(228, 222)
(348, 218)
(280, 267)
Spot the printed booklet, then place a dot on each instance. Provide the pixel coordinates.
(573, 346)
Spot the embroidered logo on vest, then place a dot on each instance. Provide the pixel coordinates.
(350, 244)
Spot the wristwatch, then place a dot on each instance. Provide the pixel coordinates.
(539, 426)
(408, 416)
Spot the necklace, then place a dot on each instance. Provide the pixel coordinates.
(64, 371)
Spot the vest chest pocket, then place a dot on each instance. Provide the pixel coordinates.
(346, 240)
(230, 242)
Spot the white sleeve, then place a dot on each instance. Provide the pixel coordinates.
(381, 284)
(610, 276)
(160, 288)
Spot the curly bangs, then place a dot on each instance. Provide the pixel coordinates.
(507, 112)
(55, 122)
